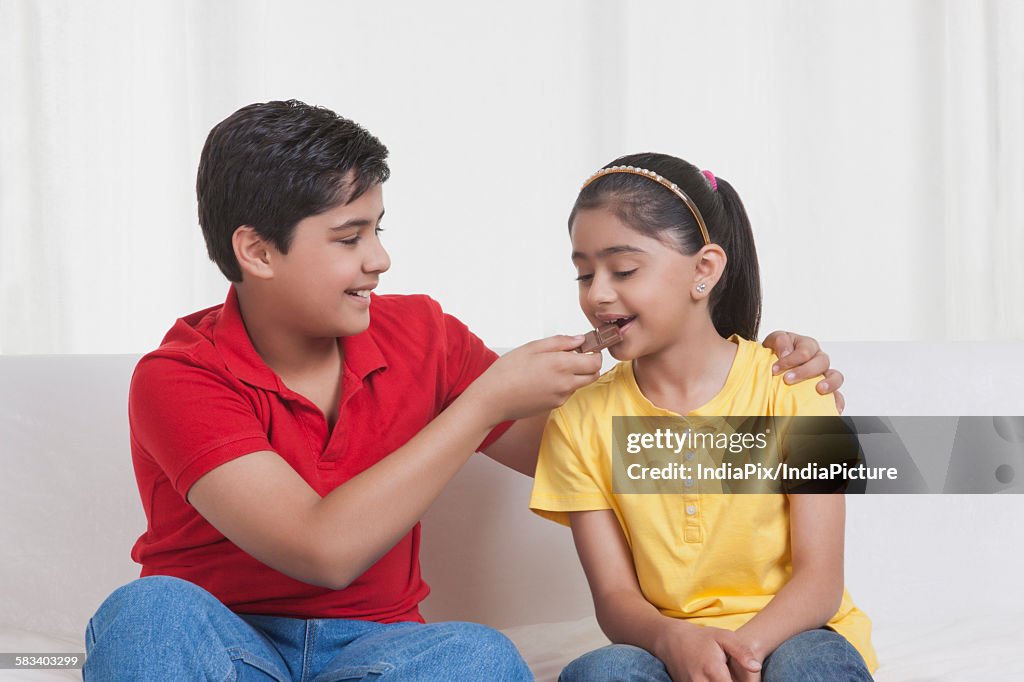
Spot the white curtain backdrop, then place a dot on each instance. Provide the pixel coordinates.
(878, 145)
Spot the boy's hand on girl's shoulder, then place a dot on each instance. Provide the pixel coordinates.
(534, 377)
(693, 653)
(800, 357)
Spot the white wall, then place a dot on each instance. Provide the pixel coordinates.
(877, 146)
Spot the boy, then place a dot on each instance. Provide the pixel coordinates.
(287, 442)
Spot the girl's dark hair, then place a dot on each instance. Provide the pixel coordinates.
(653, 210)
(272, 164)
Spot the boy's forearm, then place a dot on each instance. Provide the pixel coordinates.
(806, 602)
(331, 540)
(517, 448)
(362, 519)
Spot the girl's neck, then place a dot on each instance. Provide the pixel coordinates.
(687, 374)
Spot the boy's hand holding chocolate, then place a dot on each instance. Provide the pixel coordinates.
(534, 378)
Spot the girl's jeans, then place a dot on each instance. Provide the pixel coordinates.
(820, 655)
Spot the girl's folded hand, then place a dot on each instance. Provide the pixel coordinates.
(741, 674)
(693, 653)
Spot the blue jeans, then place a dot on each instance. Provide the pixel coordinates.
(162, 628)
(820, 655)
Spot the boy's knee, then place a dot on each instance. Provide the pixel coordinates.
(141, 604)
(157, 593)
(483, 647)
(161, 627)
(615, 662)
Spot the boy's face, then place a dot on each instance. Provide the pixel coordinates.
(333, 262)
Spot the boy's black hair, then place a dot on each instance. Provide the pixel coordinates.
(649, 208)
(271, 164)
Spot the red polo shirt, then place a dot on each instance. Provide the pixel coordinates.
(206, 397)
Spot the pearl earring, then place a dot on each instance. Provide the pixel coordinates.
(701, 288)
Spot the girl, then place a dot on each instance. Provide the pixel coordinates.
(689, 586)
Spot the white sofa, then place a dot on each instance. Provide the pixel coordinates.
(941, 575)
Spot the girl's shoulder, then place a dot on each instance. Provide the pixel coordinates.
(614, 392)
(760, 386)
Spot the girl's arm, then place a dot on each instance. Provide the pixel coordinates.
(689, 652)
(812, 596)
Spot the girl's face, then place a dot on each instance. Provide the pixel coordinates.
(640, 283)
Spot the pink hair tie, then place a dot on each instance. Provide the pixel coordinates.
(711, 180)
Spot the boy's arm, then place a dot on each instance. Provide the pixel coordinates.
(262, 505)
(814, 592)
(800, 357)
(626, 617)
(517, 448)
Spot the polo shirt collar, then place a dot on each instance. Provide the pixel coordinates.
(362, 354)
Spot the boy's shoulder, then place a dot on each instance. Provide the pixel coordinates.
(189, 355)
(391, 313)
(190, 339)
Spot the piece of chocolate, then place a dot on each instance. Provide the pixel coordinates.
(598, 339)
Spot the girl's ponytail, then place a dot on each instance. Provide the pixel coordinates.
(736, 299)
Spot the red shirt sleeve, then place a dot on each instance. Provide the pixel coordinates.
(468, 358)
(190, 419)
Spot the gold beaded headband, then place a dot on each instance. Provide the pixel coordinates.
(670, 186)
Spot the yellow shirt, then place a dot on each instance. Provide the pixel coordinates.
(712, 559)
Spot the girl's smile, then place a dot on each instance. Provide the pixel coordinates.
(634, 281)
(623, 322)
